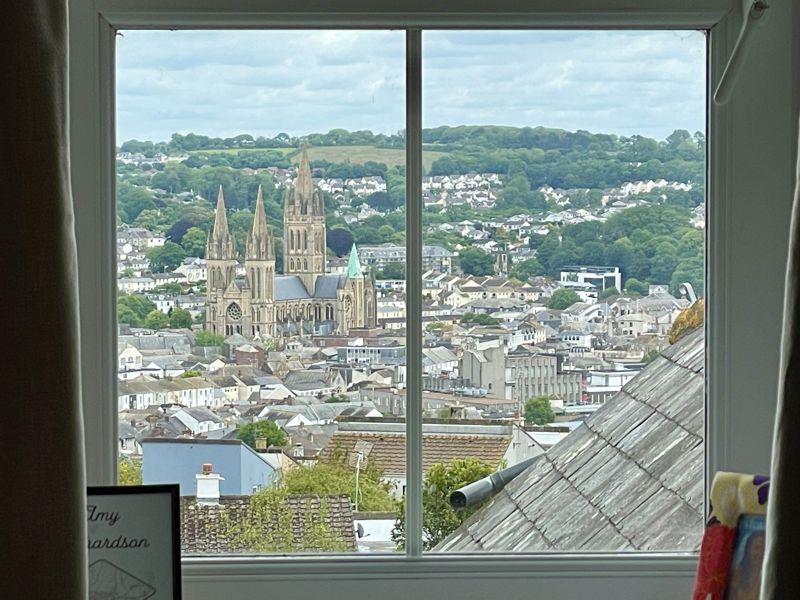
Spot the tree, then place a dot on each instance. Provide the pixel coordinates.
(166, 258)
(382, 201)
(194, 242)
(132, 200)
(180, 318)
(191, 373)
(439, 519)
(261, 429)
(168, 288)
(207, 338)
(476, 262)
(393, 271)
(539, 411)
(526, 269)
(479, 319)
(339, 240)
(336, 476)
(132, 309)
(367, 235)
(689, 270)
(634, 286)
(563, 298)
(156, 319)
(129, 471)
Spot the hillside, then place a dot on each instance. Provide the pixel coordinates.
(358, 155)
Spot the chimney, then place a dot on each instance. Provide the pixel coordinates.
(208, 486)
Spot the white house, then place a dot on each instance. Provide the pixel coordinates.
(198, 419)
(130, 285)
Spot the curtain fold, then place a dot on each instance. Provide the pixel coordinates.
(44, 495)
(781, 575)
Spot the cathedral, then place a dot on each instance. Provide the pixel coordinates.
(305, 299)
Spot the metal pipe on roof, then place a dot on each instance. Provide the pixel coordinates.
(478, 491)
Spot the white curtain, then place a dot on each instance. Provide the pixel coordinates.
(43, 545)
(781, 573)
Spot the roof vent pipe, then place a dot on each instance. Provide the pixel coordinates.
(477, 491)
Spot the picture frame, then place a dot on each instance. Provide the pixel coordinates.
(134, 546)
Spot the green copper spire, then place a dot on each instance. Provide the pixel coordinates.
(354, 265)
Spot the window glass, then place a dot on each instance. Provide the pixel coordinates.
(262, 287)
(260, 247)
(563, 361)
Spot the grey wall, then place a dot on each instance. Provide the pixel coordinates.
(179, 462)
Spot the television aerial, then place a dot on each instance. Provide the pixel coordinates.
(359, 457)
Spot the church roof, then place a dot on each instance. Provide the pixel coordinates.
(290, 287)
(327, 285)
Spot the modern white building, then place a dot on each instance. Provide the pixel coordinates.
(601, 277)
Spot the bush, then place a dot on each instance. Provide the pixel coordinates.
(539, 411)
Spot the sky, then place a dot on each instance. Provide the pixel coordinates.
(223, 83)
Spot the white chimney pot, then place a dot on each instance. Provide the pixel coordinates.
(208, 486)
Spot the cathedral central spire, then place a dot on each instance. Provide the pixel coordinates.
(305, 180)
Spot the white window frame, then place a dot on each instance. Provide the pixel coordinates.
(752, 160)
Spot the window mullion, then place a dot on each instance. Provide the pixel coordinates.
(413, 498)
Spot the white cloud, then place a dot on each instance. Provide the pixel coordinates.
(221, 83)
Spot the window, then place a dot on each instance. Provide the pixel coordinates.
(322, 160)
(745, 371)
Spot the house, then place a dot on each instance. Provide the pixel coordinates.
(440, 444)
(242, 469)
(201, 535)
(198, 419)
(193, 269)
(128, 358)
(132, 285)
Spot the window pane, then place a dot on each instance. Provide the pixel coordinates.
(562, 411)
(260, 195)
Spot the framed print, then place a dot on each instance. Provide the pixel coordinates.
(134, 542)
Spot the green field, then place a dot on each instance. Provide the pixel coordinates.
(337, 154)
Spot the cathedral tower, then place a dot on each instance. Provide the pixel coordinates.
(221, 266)
(259, 266)
(304, 228)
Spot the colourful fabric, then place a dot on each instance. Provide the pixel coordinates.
(732, 495)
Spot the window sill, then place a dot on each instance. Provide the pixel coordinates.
(597, 576)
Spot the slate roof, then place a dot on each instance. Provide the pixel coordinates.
(631, 477)
(201, 413)
(389, 449)
(290, 287)
(203, 527)
(327, 285)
